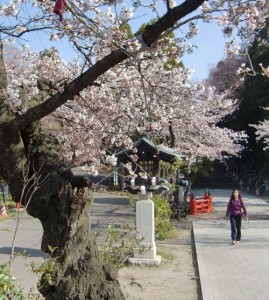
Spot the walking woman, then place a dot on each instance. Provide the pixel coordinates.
(235, 209)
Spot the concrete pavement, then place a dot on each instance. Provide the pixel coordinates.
(110, 209)
(28, 241)
(238, 272)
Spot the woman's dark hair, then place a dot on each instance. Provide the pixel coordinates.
(239, 195)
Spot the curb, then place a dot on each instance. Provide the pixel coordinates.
(203, 275)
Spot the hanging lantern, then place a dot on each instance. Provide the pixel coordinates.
(59, 8)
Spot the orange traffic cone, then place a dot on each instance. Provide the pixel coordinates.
(3, 211)
(18, 205)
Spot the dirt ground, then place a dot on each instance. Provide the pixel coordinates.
(177, 277)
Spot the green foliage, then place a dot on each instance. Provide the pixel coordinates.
(171, 169)
(203, 167)
(10, 211)
(132, 200)
(169, 45)
(120, 245)
(48, 52)
(126, 27)
(142, 29)
(163, 214)
(46, 268)
(254, 97)
(8, 288)
(171, 64)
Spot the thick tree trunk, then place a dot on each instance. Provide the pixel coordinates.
(79, 271)
(29, 162)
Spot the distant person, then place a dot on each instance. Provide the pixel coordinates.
(235, 209)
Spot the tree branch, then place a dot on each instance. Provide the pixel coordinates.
(3, 72)
(86, 79)
(152, 32)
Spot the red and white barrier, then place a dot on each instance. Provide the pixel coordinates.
(3, 211)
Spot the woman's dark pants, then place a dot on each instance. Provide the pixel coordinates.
(236, 227)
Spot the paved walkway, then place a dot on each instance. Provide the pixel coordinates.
(228, 272)
(28, 241)
(110, 209)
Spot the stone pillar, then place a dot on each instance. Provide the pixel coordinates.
(180, 194)
(145, 230)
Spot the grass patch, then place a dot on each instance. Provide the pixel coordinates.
(173, 233)
(165, 253)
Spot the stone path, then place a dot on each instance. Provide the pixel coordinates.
(239, 272)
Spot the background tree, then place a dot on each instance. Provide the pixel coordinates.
(52, 88)
(253, 98)
(225, 77)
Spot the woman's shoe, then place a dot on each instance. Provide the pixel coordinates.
(233, 243)
(237, 242)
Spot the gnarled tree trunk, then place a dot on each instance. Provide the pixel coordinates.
(30, 164)
(79, 272)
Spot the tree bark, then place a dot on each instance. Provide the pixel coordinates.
(79, 271)
(31, 154)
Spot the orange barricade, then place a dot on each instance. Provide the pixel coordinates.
(3, 211)
(201, 205)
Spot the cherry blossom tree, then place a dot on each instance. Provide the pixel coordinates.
(262, 132)
(52, 111)
(255, 103)
(225, 76)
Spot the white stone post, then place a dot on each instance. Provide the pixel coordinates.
(180, 194)
(145, 230)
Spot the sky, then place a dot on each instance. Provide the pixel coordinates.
(209, 42)
(210, 51)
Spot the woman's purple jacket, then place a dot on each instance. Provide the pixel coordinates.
(235, 207)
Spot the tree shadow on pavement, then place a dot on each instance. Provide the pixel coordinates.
(24, 251)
